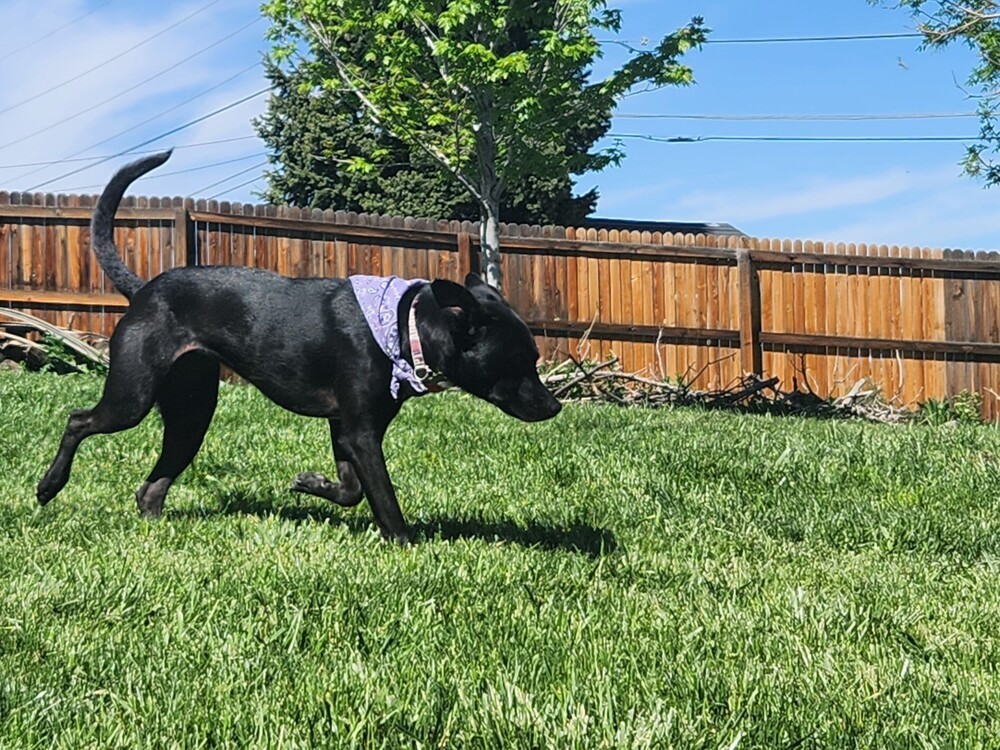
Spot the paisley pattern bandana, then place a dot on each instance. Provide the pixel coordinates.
(379, 297)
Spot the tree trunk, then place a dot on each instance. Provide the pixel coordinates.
(491, 189)
(489, 243)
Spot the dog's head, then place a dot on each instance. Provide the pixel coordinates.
(480, 344)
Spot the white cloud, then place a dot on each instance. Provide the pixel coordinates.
(956, 214)
(620, 200)
(97, 38)
(816, 195)
(931, 207)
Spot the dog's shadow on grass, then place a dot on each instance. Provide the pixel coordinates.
(577, 537)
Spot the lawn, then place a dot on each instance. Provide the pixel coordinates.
(612, 578)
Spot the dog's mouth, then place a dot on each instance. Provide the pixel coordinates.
(536, 415)
(528, 401)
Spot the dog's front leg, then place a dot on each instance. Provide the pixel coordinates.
(365, 453)
(347, 492)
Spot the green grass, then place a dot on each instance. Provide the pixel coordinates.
(609, 579)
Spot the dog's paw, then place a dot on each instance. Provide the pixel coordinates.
(47, 489)
(311, 483)
(403, 536)
(149, 497)
(314, 483)
(44, 493)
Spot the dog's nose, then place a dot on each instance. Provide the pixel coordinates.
(554, 407)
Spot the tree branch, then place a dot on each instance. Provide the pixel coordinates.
(343, 73)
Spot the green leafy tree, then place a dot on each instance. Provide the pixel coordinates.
(317, 141)
(976, 24)
(486, 88)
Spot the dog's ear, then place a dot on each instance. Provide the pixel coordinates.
(481, 290)
(461, 308)
(473, 280)
(453, 297)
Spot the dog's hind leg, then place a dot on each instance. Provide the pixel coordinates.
(347, 492)
(127, 398)
(187, 401)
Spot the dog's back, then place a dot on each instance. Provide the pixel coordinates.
(287, 336)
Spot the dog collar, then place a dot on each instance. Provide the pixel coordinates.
(379, 299)
(434, 382)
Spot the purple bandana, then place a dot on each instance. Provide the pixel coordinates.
(379, 298)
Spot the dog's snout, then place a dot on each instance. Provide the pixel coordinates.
(543, 404)
(554, 406)
(528, 400)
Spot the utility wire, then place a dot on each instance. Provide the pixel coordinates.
(130, 88)
(54, 31)
(136, 153)
(155, 138)
(167, 111)
(161, 175)
(40, 166)
(795, 139)
(639, 43)
(234, 188)
(837, 38)
(227, 179)
(202, 167)
(110, 60)
(802, 118)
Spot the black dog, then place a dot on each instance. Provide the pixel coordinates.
(307, 345)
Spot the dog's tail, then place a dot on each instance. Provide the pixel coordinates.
(102, 224)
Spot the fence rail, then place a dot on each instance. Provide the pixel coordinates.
(919, 323)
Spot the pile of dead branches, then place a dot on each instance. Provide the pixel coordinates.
(577, 381)
(37, 344)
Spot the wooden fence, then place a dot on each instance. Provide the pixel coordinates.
(919, 323)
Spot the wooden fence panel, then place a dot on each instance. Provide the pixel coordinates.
(921, 324)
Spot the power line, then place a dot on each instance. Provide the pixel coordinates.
(146, 142)
(227, 179)
(202, 167)
(130, 88)
(795, 139)
(233, 188)
(167, 111)
(174, 173)
(836, 38)
(110, 60)
(639, 43)
(54, 31)
(137, 125)
(112, 156)
(802, 118)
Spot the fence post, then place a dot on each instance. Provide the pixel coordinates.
(184, 252)
(751, 353)
(468, 261)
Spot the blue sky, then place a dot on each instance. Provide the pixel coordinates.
(101, 77)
